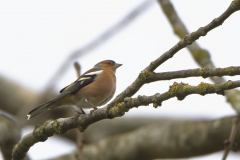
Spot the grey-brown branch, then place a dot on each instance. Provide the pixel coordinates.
(200, 55)
(62, 125)
(187, 40)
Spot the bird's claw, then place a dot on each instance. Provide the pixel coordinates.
(81, 111)
(94, 109)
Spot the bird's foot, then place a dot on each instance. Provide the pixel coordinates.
(81, 111)
(94, 109)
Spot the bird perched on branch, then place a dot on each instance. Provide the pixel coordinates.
(94, 88)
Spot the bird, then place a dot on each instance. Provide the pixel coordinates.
(92, 89)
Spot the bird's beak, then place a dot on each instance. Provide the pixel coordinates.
(116, 65)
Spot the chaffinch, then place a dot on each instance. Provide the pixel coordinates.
(94, 88)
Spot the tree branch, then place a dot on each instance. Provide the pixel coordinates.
(164, 139)
(230, 143)
(79, 135)
(200, 55)
(187, 40)
(9, 134)
(62, 125)
(204, 72)
(179, 90)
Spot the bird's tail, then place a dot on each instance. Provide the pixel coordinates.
(54, 103)
(37, 111)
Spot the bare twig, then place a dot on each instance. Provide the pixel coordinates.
(79, 155)
(229, 144)
(77, 67)
(79, 135)
(204, 72)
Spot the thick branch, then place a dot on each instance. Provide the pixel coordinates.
(179, 90)
(164, 139)
(81, 122)
(110, 127)
(59, 126)
(21, 96)
(9, 134)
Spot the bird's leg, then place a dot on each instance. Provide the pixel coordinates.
(94, 108)
(81, 111)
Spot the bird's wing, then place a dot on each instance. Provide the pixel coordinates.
(82, 81)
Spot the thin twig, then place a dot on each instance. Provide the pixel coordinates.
(79, 145)
(203, 72)
(77, 67)
(229, 144)
(79, 135)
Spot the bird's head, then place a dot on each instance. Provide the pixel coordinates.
(107, 64)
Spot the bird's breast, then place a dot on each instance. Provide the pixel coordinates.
(98, 93)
